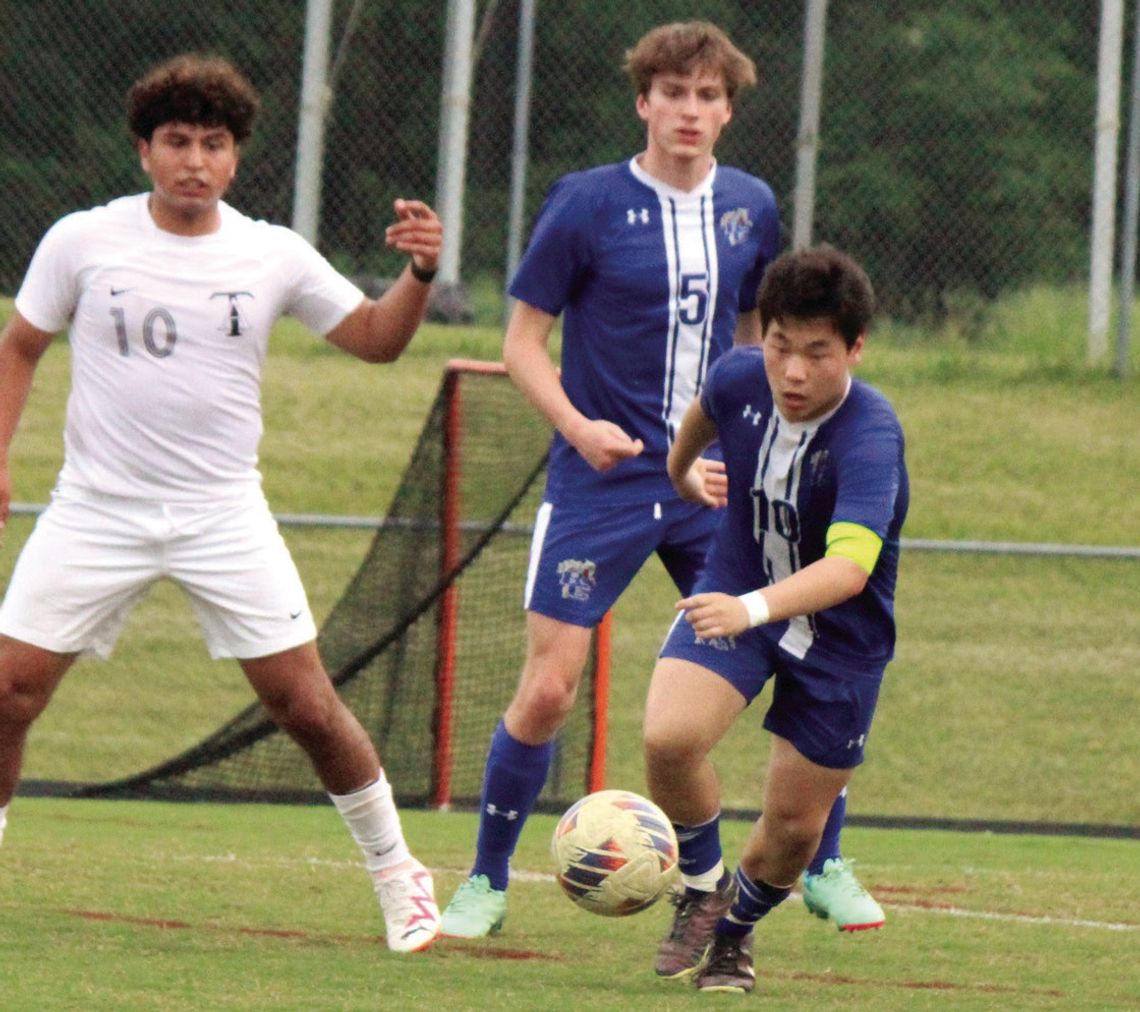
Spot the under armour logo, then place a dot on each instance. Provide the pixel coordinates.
(509, 814)
(634, 216)
(756, 416)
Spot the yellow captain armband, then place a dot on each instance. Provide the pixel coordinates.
(851, 541)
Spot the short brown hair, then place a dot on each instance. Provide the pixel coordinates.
(821, 283)
(685, 46)
(199, 90)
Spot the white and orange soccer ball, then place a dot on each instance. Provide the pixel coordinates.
(616, 853)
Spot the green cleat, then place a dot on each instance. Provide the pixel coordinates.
(836, 893)
(476, 910)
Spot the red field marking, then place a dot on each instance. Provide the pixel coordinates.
(149, 922)
(494, 952)
(907, 985)
(904, 891)
(167, 924)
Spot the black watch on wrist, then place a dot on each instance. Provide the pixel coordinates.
(424, 277)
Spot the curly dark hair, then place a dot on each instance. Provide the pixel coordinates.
(685, 46)
(821, 283)
(199, 90)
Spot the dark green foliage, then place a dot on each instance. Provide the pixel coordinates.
(955, 152)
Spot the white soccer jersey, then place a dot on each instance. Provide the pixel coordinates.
(168, 335)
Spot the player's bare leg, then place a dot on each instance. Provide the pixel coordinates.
(798, 795)
(28, 677)
(556, 656)
(517, 765)
(300, 697)
(683, 781)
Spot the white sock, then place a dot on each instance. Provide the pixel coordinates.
(3, 820)
(371, 817)
(707, 881)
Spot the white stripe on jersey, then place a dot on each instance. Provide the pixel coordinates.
(775, 520)
(690, 251)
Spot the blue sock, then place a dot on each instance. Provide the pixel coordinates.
(829, 842)
(699, 846)
(754, 899)
(511, 784)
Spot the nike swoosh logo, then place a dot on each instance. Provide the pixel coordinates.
(118, 291)
(295, 614)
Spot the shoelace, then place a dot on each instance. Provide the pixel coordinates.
(685, 905)
(724, 956)
(464, 897)
(849, 882)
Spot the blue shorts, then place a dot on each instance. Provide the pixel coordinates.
(824, 712)
(583, 558)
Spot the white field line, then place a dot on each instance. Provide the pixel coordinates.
(537, 876)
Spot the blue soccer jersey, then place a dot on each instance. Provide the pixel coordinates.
(788, 483)
(650, 281)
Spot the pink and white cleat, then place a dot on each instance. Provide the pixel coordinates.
(407, 899)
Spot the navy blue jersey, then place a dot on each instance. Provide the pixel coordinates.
(787, 484)
(650, 281)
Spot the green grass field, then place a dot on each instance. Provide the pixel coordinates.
(1013, 696)
(138, 905)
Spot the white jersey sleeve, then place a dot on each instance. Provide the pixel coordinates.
(50, 291)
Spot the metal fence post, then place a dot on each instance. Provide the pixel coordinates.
(311, 120)
(454, 108)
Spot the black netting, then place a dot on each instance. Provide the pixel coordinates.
(381, 642)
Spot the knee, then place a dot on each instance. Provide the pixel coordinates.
(25, 690)
(545, 701)
(665, 750)
(794, 829)
(305, 717)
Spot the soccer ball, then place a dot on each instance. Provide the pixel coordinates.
(616, 853)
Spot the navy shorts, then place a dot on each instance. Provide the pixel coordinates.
(583, 558)
(824, 712)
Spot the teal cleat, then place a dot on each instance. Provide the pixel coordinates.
(476, 910)
(836, 894)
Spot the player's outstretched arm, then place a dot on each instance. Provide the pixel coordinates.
(21, 347)
(600, 442)
(378, 330)
(824, 584)
(696, 479)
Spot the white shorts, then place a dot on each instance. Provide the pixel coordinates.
(92, 557)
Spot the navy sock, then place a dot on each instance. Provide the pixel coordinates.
(511, 784)
(829, 842)
(754, 899)
(699, 846)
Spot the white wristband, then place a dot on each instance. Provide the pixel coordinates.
(756, 606)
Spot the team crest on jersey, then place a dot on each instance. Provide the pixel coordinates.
(578, 578)
(234, 324)
(820, 460)
(736, 225)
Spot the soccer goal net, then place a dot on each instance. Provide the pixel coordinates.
(426, 642)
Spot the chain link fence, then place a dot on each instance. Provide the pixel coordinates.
(955, 147)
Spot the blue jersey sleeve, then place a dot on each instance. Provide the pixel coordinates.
(870, 471)
(559, 252)
(739, 370)
(769, 250)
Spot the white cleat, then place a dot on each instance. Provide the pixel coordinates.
(407, 899)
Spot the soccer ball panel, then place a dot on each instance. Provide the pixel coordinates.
(615, 851)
